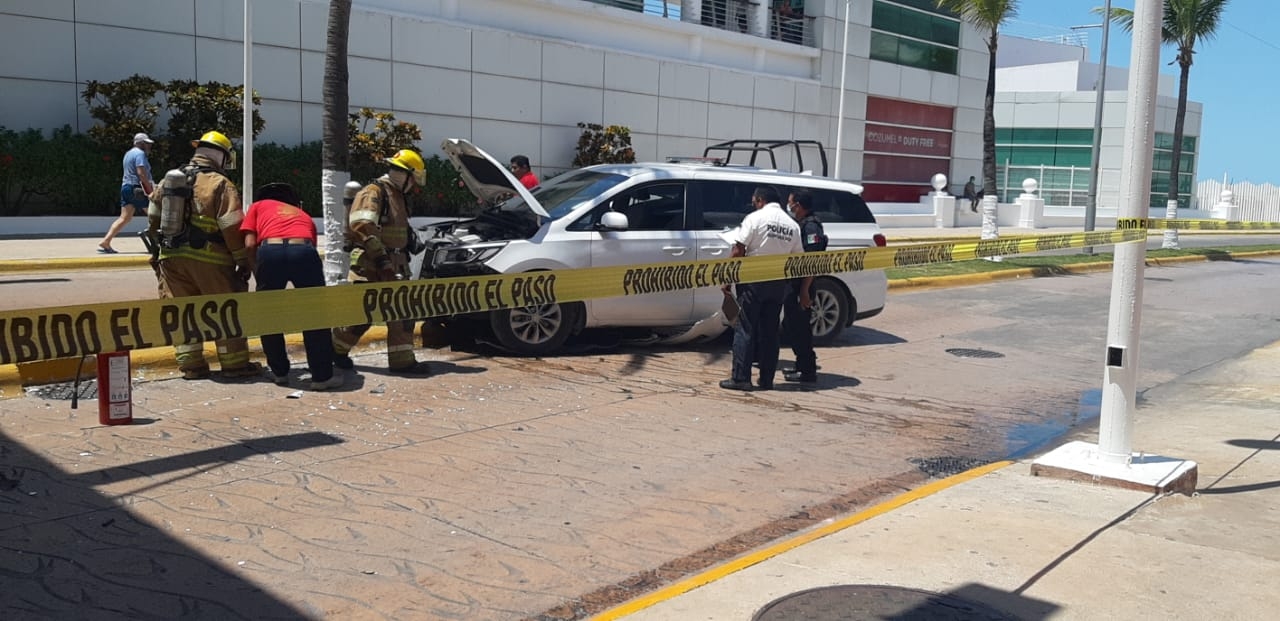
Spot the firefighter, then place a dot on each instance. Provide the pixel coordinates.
(381, 240)
(194, 220)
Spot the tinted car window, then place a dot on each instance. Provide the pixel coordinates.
(653, 207)
(722, 204)
(833, 206)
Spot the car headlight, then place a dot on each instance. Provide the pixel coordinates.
(462, 255)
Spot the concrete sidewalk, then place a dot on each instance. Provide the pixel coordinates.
(999, 540)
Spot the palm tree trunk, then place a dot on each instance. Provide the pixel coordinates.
(1179, 123)
(990, 196)
(335, 157)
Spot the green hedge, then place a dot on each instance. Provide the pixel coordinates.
(67, 174)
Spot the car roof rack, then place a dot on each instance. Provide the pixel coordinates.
(693, 159)
(757, 146)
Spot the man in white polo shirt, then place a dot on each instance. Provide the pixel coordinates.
(765, 231)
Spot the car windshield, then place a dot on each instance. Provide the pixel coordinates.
(562, 194)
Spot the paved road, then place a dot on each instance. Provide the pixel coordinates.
(503, 487)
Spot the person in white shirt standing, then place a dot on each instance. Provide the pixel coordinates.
(135, 187)
(766, 231)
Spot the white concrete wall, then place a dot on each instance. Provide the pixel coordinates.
(515, 76)
(1077, 109)
(1013, 51)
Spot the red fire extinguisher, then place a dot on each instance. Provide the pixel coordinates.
(115, 395)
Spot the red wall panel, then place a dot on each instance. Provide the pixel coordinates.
(909, 113)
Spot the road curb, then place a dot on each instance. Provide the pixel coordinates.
(961, 280)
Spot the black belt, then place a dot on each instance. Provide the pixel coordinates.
(288, 241)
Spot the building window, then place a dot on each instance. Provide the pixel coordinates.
(915, 36)
(1162, 166)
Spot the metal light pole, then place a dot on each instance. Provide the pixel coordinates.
(1100, 93)
(1120, 377)
(247, 141)
(844, 60)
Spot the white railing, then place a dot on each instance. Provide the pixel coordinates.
(1257, 203)
(754, 17)
(1061, 186)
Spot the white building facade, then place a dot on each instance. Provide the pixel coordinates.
(1045, 111)
(517, 76)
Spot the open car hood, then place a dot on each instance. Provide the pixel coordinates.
(486, 177)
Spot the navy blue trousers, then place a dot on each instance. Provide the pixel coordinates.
(299, 264)
(755, 337)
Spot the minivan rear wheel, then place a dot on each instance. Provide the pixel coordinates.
(534, 330)
(830, 311)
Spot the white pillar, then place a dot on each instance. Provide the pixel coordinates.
(944, 204)
(691, 11)
(1030, 205)
(1120, 375)
(758, 18)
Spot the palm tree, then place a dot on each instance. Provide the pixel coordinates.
(334, 156)
(1185, 23)
(987, 16)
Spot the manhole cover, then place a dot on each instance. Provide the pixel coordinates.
(855, 602)
(88, 390)
(946, 466)
(974, 353)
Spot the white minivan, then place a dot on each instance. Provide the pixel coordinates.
(624, 214)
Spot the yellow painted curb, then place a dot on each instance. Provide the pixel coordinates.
(960, 280)
(764, 554)
(77, 263)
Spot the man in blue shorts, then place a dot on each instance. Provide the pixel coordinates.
(135, 187)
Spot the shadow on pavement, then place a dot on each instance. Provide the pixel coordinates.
(70, 551)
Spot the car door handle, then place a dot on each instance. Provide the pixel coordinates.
(716, 249)
(675, 250)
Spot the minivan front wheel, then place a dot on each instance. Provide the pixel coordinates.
(534, 330)
(830, 311)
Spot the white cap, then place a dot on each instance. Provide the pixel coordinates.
(141, 137)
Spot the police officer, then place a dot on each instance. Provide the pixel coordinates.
(378, 230)
(798, 305)
(206, 255)
(767, 230)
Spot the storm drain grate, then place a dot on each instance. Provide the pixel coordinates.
(946, 466)
(871, 601)
(974, 353)
(64, 391)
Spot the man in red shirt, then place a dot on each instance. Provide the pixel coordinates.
(281, 240)
(520, 168)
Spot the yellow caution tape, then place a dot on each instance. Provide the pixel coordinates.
(1194, 225)
(72, 331)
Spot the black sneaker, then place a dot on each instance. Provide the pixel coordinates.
(732, 385)
(343, 361)
(417, 369)
(792, 375)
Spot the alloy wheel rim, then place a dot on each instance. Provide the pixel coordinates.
(536, 324)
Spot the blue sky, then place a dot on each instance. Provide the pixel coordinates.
(1234, 76)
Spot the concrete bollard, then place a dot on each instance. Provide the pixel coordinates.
(944, 204)
(1030, 205)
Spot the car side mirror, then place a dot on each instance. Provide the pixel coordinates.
(614, 221)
